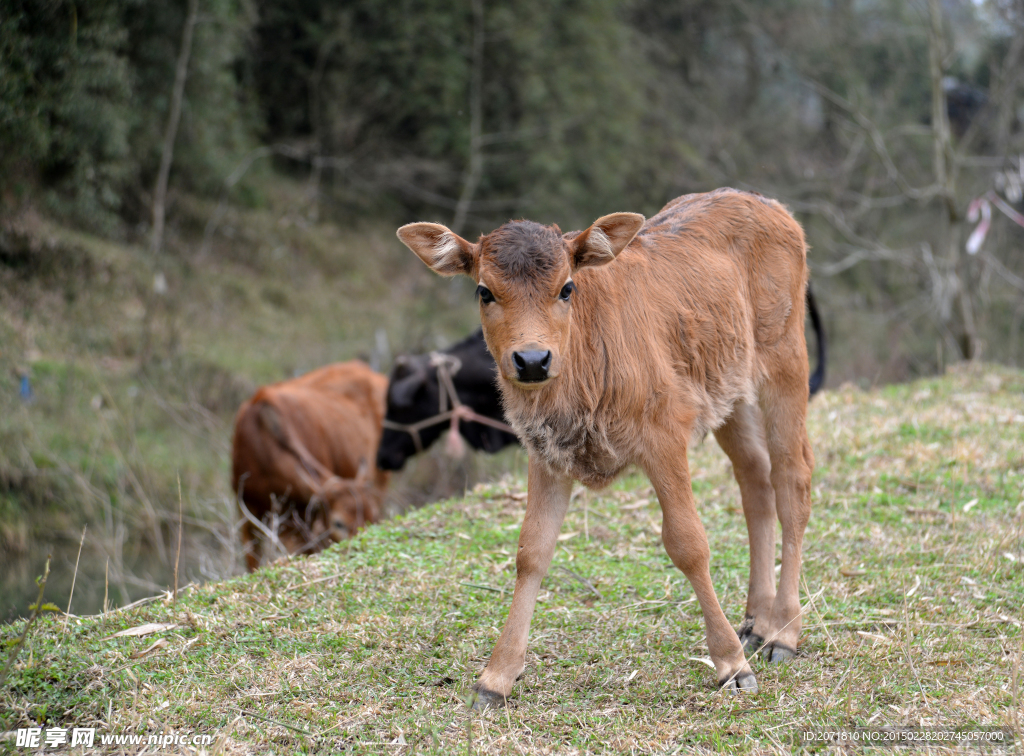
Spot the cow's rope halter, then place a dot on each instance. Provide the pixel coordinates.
(446, 366)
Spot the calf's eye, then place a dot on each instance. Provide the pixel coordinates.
(485, 294)
(567, 291)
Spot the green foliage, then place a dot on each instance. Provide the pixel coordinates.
(217, 121)
(47, 607)
(386, 86)
(84, 94)
(579, 102)
(65, 104)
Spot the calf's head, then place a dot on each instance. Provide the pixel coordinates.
(524, 274)
(349, 504)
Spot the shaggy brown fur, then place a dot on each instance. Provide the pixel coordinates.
(303, 450)
(697, 325)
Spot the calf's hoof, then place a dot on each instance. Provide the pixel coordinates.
(776, 653)
(483, 698)
(742, 683)
(750, 640)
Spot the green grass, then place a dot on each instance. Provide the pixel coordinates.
(914, 583)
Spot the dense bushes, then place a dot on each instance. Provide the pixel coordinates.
(66, 101)
(84, 89)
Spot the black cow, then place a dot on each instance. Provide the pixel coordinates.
(415, 396)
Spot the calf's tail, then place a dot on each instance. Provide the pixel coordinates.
(818, 376)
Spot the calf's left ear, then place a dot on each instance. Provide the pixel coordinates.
(606, 237)
(443, 251)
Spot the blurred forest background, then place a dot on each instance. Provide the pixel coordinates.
(199, 196)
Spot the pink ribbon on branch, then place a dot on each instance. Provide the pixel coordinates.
(980, 212)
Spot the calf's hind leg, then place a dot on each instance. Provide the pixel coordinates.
(742, 439)
(784, 405)
(687, 546)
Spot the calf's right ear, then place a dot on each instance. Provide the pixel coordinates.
(442, 250)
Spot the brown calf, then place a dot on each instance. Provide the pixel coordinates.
(698, 325)
(303, 451)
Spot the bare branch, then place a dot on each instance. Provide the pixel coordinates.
(878, 142)
(1006, 274)
(860, 255)
(836, 219)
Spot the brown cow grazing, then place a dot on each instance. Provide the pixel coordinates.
(302, 454)
(697, 325)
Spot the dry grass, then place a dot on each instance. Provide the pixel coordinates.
(914, 573)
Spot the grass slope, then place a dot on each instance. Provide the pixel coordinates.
(914, 570)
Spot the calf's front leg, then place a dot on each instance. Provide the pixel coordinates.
(547, 500)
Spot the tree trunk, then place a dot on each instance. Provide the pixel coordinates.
(476, 158)
(167, 152)
(956, 268)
